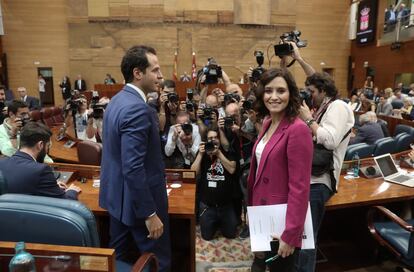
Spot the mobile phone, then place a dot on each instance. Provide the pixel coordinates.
(274, 246)
(412, 146)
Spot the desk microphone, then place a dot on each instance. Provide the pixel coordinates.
(370, 172)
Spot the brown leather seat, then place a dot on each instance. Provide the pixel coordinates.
(36, 115)
(47, 116)
(89, 152)
(58, 115)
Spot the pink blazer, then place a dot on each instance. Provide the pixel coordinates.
(284, 174)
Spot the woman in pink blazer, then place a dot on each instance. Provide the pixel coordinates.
(280, 169)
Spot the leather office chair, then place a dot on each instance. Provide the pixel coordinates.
(89, 152)
(384, 146)
(38, 219)
(36, 115)
(57, 115)
(395, 235)
(403, 142)
(404, 128)
(397, 104)
(384, 127)
(3, 184)
(47, 116)
(146, 260)
(364, 151)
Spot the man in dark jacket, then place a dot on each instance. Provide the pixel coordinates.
(368, 132)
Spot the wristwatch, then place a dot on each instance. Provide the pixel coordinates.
(310, 122)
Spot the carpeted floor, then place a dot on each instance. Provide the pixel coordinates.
(233, 255)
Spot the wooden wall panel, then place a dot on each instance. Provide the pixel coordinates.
(386, 63)
(252, 12)
(36, 31)
(94, 48)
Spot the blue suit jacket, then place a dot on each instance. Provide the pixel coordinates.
(132, 169)
(32, 102)
(26, 176)
(368, 133)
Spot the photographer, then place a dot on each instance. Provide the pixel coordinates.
(168, 106)
(215, 169)
(182, 143)
(207, 115)
(3, 106)
(18, 113)
(85, 129)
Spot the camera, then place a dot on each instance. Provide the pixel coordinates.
(209, 146)
(98, 111)
(207, 112)
(247, 105)
(229, 97)
(172, 97)
(307, 97)
(94, 100)
(259, 70)
(2, 106)
(74, 104)
(229, 121)
(286, 49)
(212, 71)
(190, 94)
(187, 128)
(190, 106)
(25, 119)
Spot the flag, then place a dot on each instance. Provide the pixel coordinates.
(174, 76)
(194, 68)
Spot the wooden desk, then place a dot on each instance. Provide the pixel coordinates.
(367, 192)
(60, 153)
(181, 201)
(82, 258)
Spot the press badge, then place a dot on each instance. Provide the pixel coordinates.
(212, 184)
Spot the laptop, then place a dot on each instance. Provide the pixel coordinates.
(390, 172)
(62, 176)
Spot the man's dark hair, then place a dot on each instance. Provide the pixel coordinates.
(292, 109)
(135, 57)
(15, 105)
(34, 132)
(323, 82)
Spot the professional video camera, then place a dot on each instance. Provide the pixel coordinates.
(98, 111)
(212, 71)
(187, 128)
(95, 98)
(172, 97)
(74, 104)
(209, 147)
(307, 97)
(284, 48)
(259, 70)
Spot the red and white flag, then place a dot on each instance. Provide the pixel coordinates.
(174, 75)
(194, 68)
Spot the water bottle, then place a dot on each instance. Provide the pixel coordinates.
(22, 260)
(355, 164)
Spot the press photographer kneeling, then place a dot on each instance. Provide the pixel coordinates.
(215, 169)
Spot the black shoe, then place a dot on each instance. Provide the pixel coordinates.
(244, 232)
(258, 265)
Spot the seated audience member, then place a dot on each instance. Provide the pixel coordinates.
(24, 171)
(354, 103)
(18, 115)
(182, 143)
(398, 95)
(388, 93)
(85, 129)
(368, 132)
(366, 104)
(382, 123)
(109, 80)
(32, 102)
(3, 104)
(384, 107)
(407, 109)
(215, 169)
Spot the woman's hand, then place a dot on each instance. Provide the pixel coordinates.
(285, 250)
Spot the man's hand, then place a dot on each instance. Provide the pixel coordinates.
(154, 226)
(252, 115)
(202, 148)
(73, 187)
(176, 132)
(16, 125)
(304, 112)
(62, 185)
(221, 123)
(295, 54)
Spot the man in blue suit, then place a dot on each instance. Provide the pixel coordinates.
(133, 188)
(32, 102)
(369, 132)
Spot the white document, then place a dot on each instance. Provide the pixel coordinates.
(265, 221)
